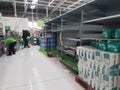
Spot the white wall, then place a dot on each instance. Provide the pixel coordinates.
(17, 24)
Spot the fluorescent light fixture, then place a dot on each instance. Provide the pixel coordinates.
(34, 1)
(32, 6)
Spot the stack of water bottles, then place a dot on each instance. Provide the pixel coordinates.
(49, 42)
(54, 41)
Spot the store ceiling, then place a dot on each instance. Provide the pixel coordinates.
(54, 7)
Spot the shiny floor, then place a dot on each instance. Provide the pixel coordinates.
(29, 69)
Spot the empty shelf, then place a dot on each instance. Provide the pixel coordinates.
(100, 39)
(69, 52)
(114, 19)
(69, 63)
(71, 47)
(71, 39)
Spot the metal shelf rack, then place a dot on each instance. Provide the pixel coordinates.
(70, 22)
(90, 17)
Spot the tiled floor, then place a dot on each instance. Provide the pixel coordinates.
(29, 69)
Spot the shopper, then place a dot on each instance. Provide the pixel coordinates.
(10, 43)
(25, 35)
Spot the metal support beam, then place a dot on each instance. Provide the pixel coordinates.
(36, 13)
(50, 3)
(47, 12)
(81, 26)
(25, 7)
(75, 4)
(32, 16)
(20, 12)
(61, 36)
(42, 5)
(58, 5)
(60, 11)
(15, 10)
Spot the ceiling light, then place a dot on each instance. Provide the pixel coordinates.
(34, 1)
(32, 6)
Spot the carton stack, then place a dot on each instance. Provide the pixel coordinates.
(99, 68)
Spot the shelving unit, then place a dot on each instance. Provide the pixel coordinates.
(110, 19)
(70, 29)
(87, 21)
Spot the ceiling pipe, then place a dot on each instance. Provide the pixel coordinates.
(58, 6)
(20, 2)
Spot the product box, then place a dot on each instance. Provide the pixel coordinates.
(109, 70)
(90, 54)
(110, 58)
(118, 83)
(93, 84)
(98, 56)
(110, 81)
(96, 77)
(78, 52)
(98, 87)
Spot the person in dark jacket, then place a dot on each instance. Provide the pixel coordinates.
(25, 35)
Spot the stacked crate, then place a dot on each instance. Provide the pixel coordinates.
(54, 40)
(99, 68)
(43, 43)
(49, 42)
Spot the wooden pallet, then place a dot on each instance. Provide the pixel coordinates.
(83, 83)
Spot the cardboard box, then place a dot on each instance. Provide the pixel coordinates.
(98, 56)
(110, 58)
(110, 81)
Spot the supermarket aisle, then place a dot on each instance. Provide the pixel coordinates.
(31, 70)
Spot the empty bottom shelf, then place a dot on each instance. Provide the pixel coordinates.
(72, 65)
